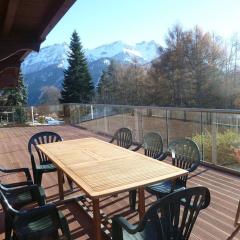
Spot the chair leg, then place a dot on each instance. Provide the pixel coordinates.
(132, 199)
(236, 222)
(8, 228)
(38, 179)
(65, 229)
(35, 177)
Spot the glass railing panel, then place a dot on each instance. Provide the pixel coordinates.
(98, 114)
(121, 116)
(184, 124)
(225, 132)
(48, 115)
(154, 120)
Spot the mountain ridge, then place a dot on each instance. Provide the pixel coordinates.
(52, 60)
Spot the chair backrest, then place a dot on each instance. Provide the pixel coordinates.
(152, 144)
(173, 216)
(187, 155)
(41, 138)
(123, 137)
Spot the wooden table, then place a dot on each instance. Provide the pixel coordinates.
(102, 169)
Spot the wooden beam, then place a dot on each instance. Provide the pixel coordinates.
(10, 47)
(54, 16)
(9, 78)
(10, 16)
(10, 63)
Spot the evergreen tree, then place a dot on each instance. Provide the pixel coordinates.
(77, 84)
(18, 95)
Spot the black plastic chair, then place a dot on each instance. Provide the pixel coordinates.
(185, 154)
(33, 224)
(123, 138)
(170, 218)
(153, 147)
(25, 171)
(20, 194)
(45, 165)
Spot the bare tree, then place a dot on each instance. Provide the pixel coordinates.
(50, 95)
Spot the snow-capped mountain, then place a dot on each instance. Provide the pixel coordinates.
(51, 55)
(146, 51)
(46, 67)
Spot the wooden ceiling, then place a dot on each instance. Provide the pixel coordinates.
(24, 25)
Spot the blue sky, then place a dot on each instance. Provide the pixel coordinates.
(104, 21)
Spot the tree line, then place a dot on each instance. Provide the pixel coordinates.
(195, 69)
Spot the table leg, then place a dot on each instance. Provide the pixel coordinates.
(96, 219)
(141, 202)
(60, 184)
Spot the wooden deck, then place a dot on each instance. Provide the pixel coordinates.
(214, 223)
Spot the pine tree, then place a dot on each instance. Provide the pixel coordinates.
(77, 84)
(18, 95)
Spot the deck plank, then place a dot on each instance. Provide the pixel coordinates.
(215, 223)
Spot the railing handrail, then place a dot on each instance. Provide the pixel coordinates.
(232, 111)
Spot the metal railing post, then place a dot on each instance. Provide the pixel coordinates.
(92, 112)
(202, 133)
(136, 124)
(167, 127)
(214, 138)
(105, 120)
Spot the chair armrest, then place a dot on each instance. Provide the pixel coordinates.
(193, 167)
(137, 147)
(37, 192)
(119, 221)
(18, 170)
(166, 154)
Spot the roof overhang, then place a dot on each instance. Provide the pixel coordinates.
(24, 25)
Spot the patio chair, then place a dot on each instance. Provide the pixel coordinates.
(123, 138)
(171, 217)
(45, 165)
(25, 171)
(22, 193)
(33, 224)
(185, 154)
(153, 147)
